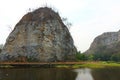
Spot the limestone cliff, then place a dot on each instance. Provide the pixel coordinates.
(39, 36)
(106, 43)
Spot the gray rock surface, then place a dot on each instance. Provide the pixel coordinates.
(39, 36)
(108, 42)
(0, 50)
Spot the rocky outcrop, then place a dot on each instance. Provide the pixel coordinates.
(106, 43)
(0, 50)
(39, 36)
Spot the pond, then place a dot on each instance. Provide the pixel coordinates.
(60, 74)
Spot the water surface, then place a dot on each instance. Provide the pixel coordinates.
(60, 74)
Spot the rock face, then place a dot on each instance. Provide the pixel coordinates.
(106, 43)
(0, 50)
(39, 36)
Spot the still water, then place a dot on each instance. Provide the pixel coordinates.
(60, 74)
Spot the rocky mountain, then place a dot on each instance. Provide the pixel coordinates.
(108, 43)
(39, 36)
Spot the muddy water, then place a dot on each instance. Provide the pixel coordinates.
(60, 74)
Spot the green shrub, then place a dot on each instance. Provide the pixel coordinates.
(115, 57)
(81, 56)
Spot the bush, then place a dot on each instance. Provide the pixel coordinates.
(81, 56)
(115, 57)
(90, 57)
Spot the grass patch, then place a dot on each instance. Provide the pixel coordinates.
(62, 66)
(6, 66)
(90, 65)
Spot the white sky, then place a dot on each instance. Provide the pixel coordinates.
(90, 18)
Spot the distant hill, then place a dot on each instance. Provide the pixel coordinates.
(106, 44)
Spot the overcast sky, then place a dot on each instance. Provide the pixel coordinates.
(90, 18)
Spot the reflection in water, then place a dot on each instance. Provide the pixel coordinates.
(37, 74)
(83, 74)
(59, 74)
(109, 73)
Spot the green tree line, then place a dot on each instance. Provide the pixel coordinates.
(97, 57)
